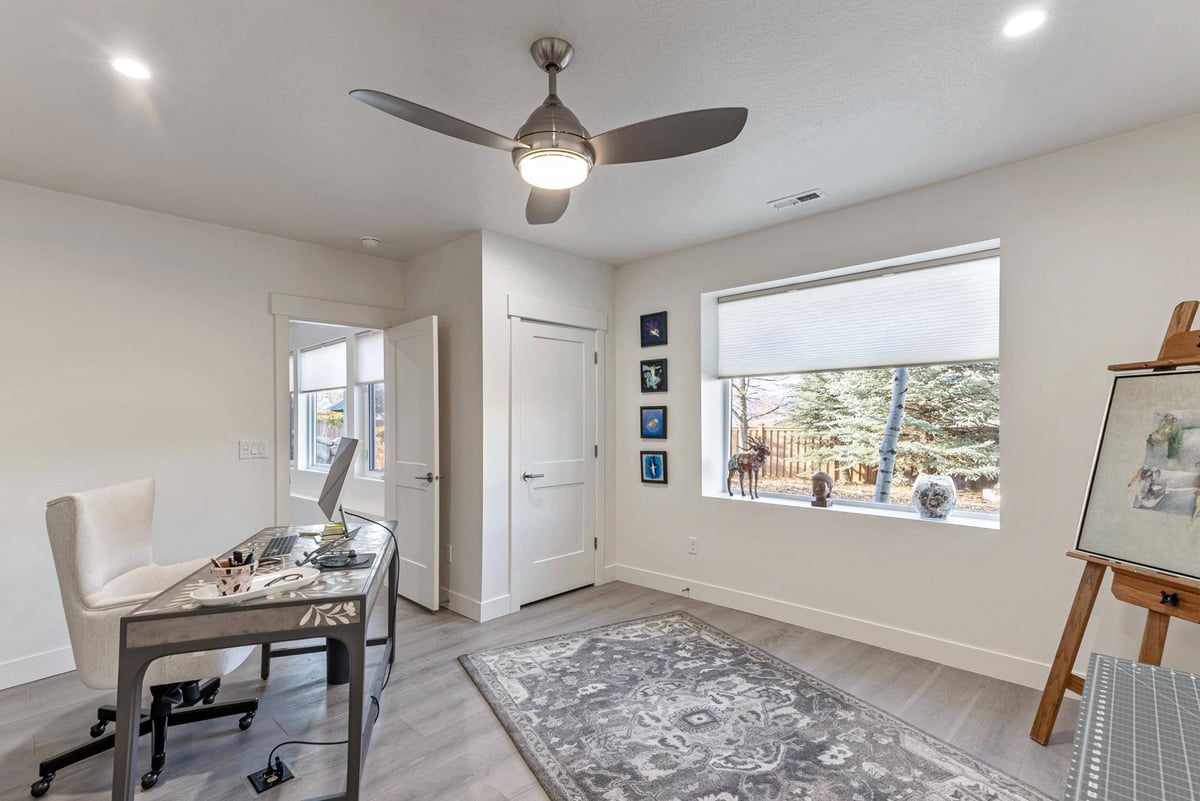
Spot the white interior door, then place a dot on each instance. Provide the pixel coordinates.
(411, 476)
(554, 452)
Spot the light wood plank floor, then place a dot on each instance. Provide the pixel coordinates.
(437, 739)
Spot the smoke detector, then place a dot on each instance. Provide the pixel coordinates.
(369, 242)
(795, 200)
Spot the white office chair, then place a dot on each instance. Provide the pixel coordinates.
(102, 552)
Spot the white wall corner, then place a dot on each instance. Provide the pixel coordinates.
(1005, 667)
(25, 669)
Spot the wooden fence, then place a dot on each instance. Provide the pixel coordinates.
(789, 457)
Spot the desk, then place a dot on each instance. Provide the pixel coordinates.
(336, 606)
(1138, 735)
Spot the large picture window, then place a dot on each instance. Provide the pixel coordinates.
(894, 372)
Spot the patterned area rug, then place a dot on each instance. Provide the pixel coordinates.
(668, 708)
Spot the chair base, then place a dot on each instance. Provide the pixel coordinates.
(173, 705)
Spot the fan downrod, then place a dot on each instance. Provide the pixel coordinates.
(550, 51)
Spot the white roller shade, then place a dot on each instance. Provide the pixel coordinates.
(323, 367)
(369, 367)
(933, 315)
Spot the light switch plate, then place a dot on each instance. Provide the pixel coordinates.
(252, 449)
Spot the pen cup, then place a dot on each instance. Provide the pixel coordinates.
(233, 579)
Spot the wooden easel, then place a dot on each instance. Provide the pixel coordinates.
(1163, 596)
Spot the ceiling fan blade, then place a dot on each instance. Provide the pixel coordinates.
(670, 136)
(435, 120)
(546, 205)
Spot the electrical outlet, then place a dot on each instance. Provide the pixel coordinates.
(277, 774)
(693, 545)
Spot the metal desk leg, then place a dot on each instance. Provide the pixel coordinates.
(355, 641)
(393, 587)
(131, 671)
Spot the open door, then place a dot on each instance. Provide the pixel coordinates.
(411, 475)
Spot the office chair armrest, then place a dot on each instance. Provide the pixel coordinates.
(99, 604)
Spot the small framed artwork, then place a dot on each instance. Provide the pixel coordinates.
(1143, 503)
(654, 422)
(654, 467)
(654, 329)
(654, 375)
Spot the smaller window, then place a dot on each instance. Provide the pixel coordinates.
(373, 417)
(370, 412)
(322, 384)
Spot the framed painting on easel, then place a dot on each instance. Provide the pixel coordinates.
(1142, 505)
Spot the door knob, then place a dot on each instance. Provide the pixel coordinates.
(427, 477)
(531, 476)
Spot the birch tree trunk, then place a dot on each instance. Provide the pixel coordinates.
(891, 434)
(742, 412)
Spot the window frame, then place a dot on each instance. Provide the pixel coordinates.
(716, 390)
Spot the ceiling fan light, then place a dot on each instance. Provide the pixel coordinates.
(551, 168)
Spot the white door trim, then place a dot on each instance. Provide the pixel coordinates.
(548, 311)
(313, 310)
(539, 310)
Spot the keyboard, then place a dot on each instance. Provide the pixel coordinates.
(280, 546)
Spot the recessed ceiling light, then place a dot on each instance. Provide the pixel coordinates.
(1023, 23)
(131, 69)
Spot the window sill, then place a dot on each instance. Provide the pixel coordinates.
(966, 519)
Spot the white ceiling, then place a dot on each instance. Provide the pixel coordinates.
(247, 121)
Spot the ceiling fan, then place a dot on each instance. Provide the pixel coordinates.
(553, 152)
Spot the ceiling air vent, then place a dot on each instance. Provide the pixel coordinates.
(796, 200)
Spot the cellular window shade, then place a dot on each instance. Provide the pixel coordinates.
(370, 358)
(323, 367)
(934, 315)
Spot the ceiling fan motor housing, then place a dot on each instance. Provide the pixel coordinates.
(553, 126)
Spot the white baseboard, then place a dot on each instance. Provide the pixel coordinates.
(479, 611)
(35, 666)
(1006, 667)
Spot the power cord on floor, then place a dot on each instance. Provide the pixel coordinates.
(276, 772)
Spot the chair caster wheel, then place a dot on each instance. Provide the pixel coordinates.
(208, 699)
(98, 728)
(41, 786)
(246, 721)
(149, 779)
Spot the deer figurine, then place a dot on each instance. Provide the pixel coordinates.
(748, 460)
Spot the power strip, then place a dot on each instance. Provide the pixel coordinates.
(265, 779)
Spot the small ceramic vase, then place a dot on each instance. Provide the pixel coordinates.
(934, 496)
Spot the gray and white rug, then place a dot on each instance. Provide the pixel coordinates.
(668, 708)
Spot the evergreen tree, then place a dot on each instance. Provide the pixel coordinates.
(951, 422)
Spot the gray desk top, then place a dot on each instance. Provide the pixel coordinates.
(1138, 735)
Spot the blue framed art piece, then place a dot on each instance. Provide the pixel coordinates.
(654, 375)
(654, 422)
(654, 329)
(654, 467)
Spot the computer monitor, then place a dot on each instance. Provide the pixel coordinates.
(336, 477)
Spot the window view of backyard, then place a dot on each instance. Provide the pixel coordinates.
(949, 424)
(373, 404)
(326, 424)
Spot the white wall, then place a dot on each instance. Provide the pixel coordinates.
(513, 267)
(139, 344)
(1099, 243)
(448, 282)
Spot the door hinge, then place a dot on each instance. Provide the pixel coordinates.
(595, 357)
(595, 543)
(596, 451)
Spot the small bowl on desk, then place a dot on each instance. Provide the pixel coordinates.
(232, 579)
